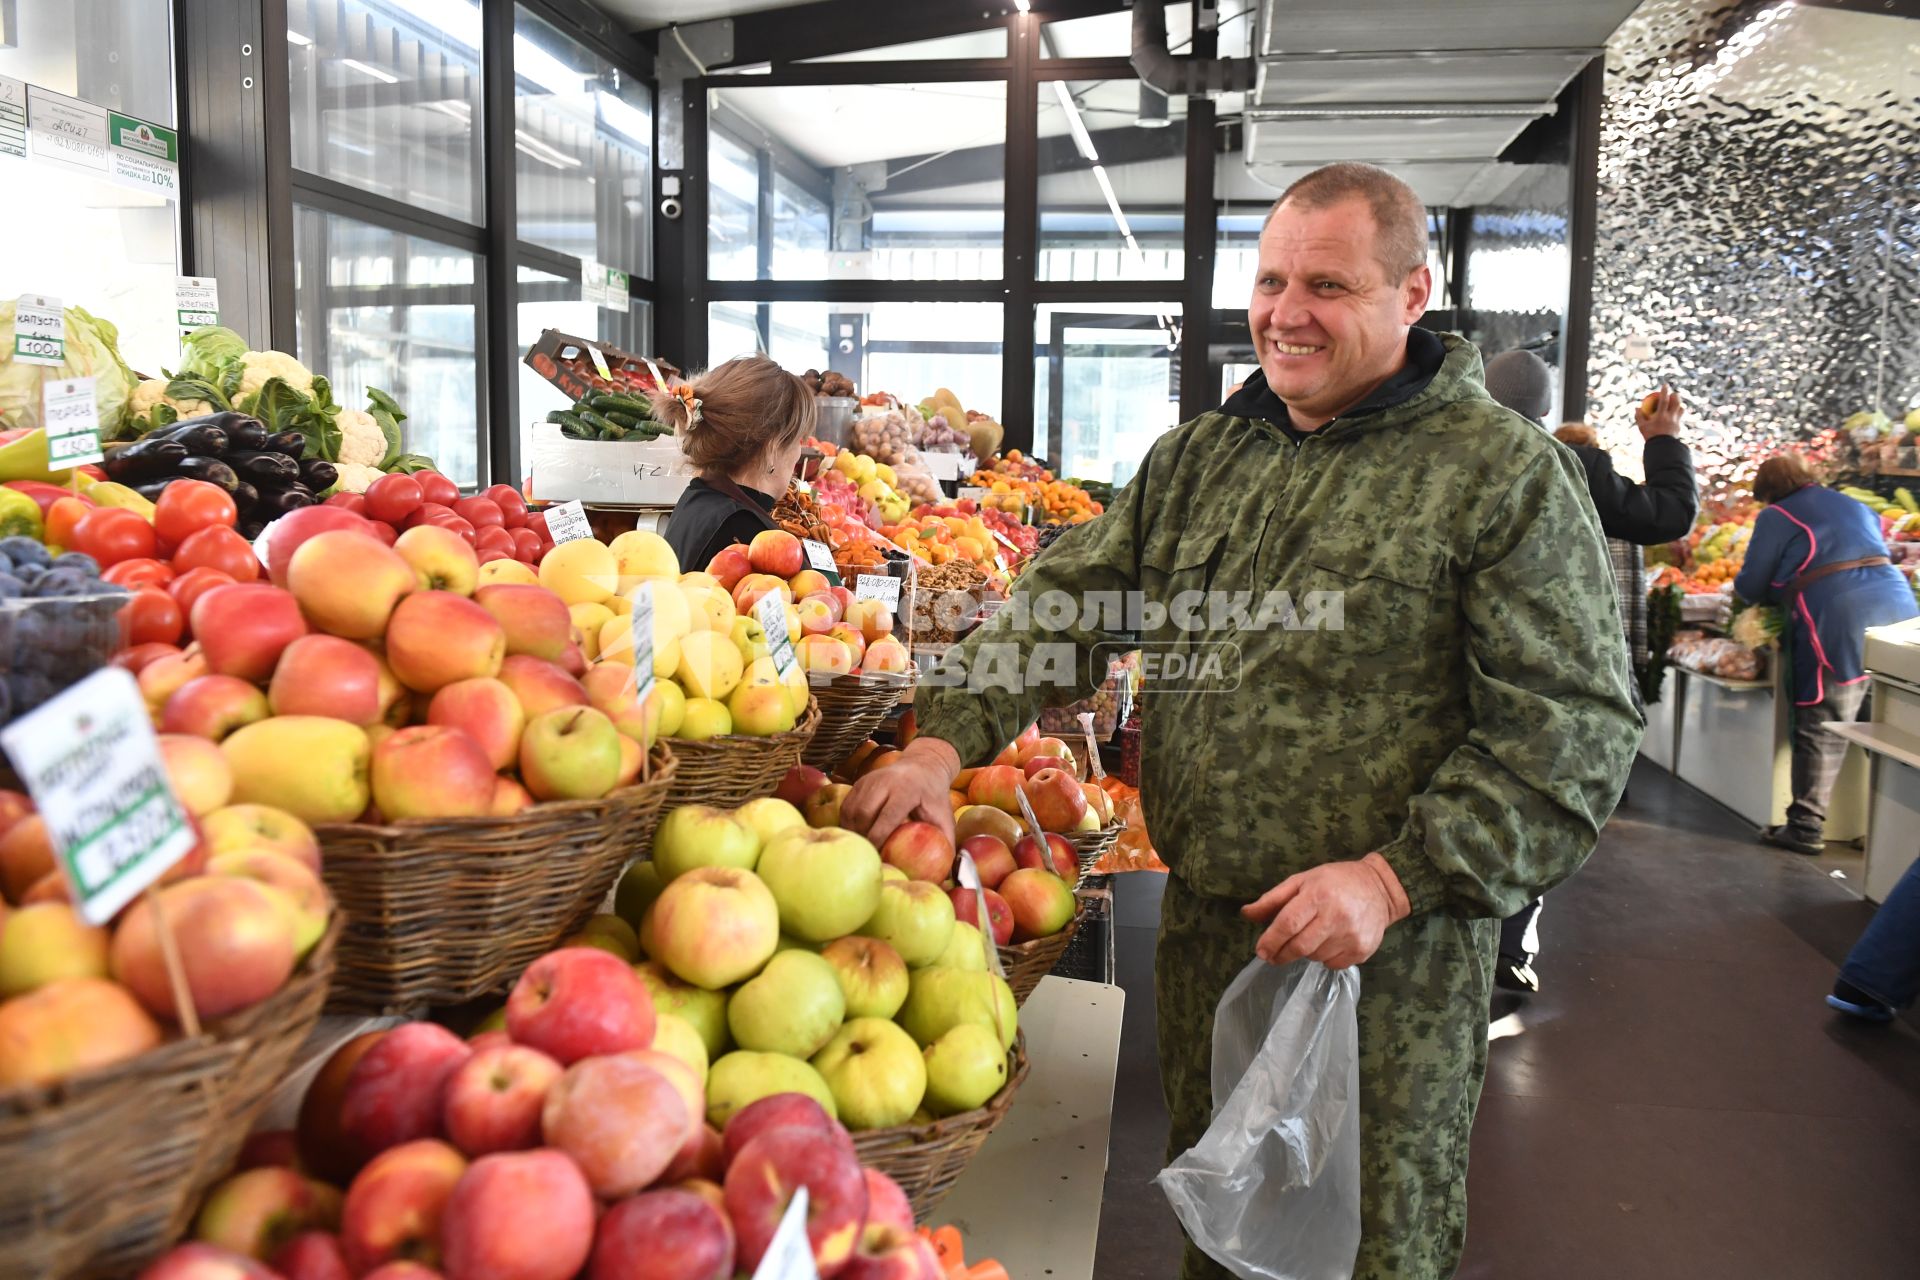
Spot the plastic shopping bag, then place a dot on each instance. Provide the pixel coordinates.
(1272, 1190)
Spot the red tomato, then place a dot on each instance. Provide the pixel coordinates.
(425, 513)
(493, 538)
(62, 516)
(140, 573)
(394, 498)
(188, 506)
(151, 617)
(218, 548)
(513, 507)
(435, 487)
(191, 585)
(384, 531)
(489, 554)
(354, 502)
(89, 469)
(458, 525)
(481, 513)
(526, 544)
(537, 521)
(141, 654)
(110, 535)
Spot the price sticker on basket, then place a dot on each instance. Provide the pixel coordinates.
(89, 759)
(771, 613)
(1093, 746)
(39, 330)
(1040, 838)
(970, 879)
(820, 560)
(72, 420)
(883, 587)
(789, 1254)
(643, 640)
(567, 522)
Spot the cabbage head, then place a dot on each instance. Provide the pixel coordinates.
(92, 351)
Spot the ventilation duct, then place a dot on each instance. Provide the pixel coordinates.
(1175, 76)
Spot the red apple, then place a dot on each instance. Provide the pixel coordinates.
(729, 566)
(213, 707)
(397, 1089)
(997, 785)
(394, 1207)
(1041, 902)
(257, 1211)
(779, 1111)
(402, 1271)
(663, 1235)
(777, 552)
(888, 1210)
(324, 1147)
(921, 850)
(1037, 763)
(431, 771)
(286, 535)
(485, 709)
(1057, 800)
(243, 627)
(763, 1178)
(902, 1256)
(580, 1001)
(312, 1255)
(622, 1120)
(204, 1261)
(326, 676)
(1065, 859)
(348, 582)
(747, 592)
(536, 620)
(850, 636)
(991, 858)
(702, 1156)
(1027, 749)
(800, 782)
(235, 943)
(809, 582)
(437, 637)
(493, 1099)
(540, 685)
(522, 1215)
(268, 1149)
(967, 908)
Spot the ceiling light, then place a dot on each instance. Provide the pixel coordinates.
(1024, 6)
(294, 37)
(385, 77)
(1076, 126)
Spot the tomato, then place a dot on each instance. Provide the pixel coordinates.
(489, 554)
(62, 517)
(460, 526)
(141, 654)
(194, 583)
(140, 573)
(425, 513)
(526, 544)
(188, 506)
(91, 471)
(354, 502)
(110, 535)
(393, 498)
(151, 617)
(218, 548)
(384, 531)
(481, 513)
(513, 507)
(493, 538)
(537, 521)
(435, 487)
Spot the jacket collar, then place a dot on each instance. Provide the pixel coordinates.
(1440, 368)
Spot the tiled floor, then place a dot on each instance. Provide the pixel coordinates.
(1675, 1103)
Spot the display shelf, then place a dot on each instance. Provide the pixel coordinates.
(1031, 1198)
(1734, 686)
(1882, 740)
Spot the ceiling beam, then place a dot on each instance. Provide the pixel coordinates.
(1117, 146)
(828, 27)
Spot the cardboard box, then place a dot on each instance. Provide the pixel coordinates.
(631, 473)
(569, 364)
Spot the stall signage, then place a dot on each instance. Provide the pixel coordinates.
(971, 495)
(820, 559)
(72, 420)
(39, 330)
(89, 759)
(878, 586)
(943, 466)
(143, 156)
(13, 118)
(771, 613)
(67, 131)
(593, 283)
(616, 290)
(643, 640)
(567, 522)
(196, 302)
(789, 1254)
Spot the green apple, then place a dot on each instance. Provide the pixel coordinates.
(675, 1037)
(569, 753)
(742, 1077)
(827, 881)
(713, 926)
(876, 1073)
(967, 950)
(938, 1000)
(965, 1067)
(639, 885)
(704, 718)
(916, 918)
(699, 835)
(750, 638)
(767, 817)
(793, 1007)
(891, 872)
(705, 1011)
(789, 943)
(613, 927)
(873, 977)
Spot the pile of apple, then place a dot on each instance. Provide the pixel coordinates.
(576, 1139)
(245, 906)
(395, 682)
(834, 634)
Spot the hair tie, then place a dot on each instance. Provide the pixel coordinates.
(685, 392)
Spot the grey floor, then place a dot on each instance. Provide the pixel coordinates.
(1676, 1102)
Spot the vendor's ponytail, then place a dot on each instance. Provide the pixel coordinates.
(730, 415)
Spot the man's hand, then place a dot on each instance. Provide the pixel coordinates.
(1336, 913)
(1665, 418)
(911, 789)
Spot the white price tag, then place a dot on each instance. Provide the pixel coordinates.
(91, 763)
(196, 302)
(878, 586)
(67, 132)
(567, 522)
(13, 118)
(72, 420)
(1039, 835)
(615, 290)
(1637, 347)
(643, 639)
(971, 495)
(944, 466)
(771, 613)
(789, 1254)
(599, 362)
(1006, 542)
(1093, 747)
(39, 330)
(820, 559)
(970, 879)
(593, 283)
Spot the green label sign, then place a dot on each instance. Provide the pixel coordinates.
(148, 139)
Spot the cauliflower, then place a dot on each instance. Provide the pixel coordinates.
(153, 392)
(261, 367)
(355, 476)
(361, 440)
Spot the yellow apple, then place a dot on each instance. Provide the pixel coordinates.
(313, 767)
(709, 666)
(508, 571)
(641, 553)
(581, 571)
(704, 718)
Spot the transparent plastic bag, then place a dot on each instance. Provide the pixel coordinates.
(1272, 1190)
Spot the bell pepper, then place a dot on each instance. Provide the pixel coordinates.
(106, 493)
(20, 515)
(44, 494)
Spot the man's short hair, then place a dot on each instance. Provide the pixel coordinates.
(1399, 219)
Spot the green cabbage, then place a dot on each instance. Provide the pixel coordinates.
(208, 349)
(92, 351)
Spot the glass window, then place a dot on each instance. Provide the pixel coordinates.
(548, 300)
(888, 181)
(733, 329)
(69, 231)
(583, 146)
(1104, 386)
(385, 95)
(379, 308)
(1112, 194)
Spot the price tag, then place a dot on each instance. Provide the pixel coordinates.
(1006, 542)
(615, 290)
(599, 362)
(970, 879)
(1039, 835)
(72, 420)
(966, 494)
(593, 283)
(91, 763)
(643, 640)
(567, 522)
(39, 330)
(196, 302)
(1093, 747)
(878, 586)
(13, 118)
(1637, 347)
(943, 466)
(789, 1254)
(772, 615)
(820, 559)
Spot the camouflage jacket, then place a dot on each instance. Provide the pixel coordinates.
(1444, 680)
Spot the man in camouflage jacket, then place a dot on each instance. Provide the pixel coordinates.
(1419, 717)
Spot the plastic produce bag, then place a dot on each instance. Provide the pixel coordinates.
(1272, 1190)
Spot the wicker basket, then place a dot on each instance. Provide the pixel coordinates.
(927, 1159)
(100, 1173)
(1028, 962)
(1091, 846)
(732, 769)
(851, 708)
(441, 912)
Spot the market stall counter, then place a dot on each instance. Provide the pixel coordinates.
(1891, 744)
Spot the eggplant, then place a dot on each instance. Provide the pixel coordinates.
(291, 443)
(144, 459)
(206, 440)
(212, 470)
(247, 433)
(227, 420)
(250, 527)
(150, 489)
(279, 504)
(245, 496)
(318, 475)
(265, 468)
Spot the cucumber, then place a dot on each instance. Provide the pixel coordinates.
(603, 401)
(574, 429)
(629, 421)
(559, 417)
(598, 422)
(613, 433)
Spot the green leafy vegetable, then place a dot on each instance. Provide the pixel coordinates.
(210, 349)
(283, 408)
(386, 411)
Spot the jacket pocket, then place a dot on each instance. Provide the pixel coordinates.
(1382, 588)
